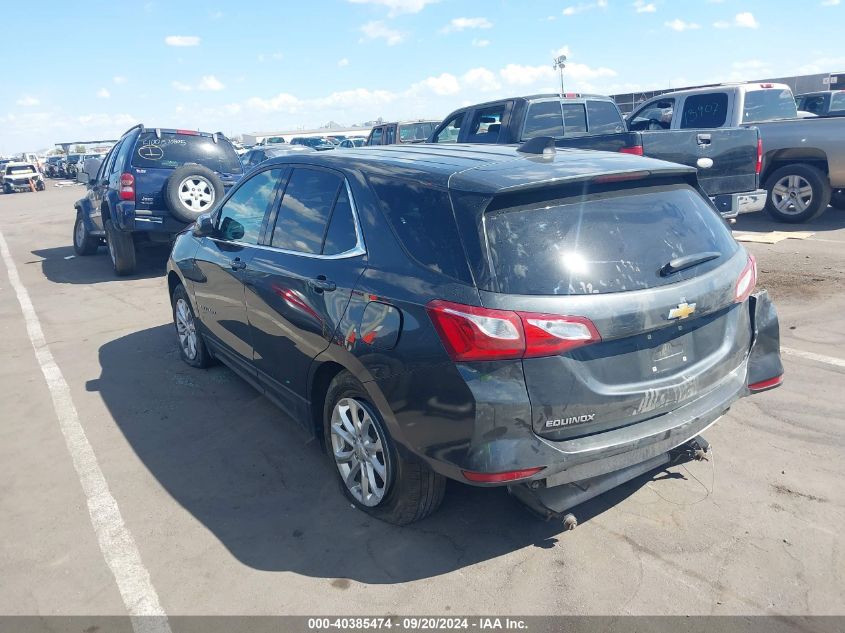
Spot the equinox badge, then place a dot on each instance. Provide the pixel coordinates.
(682, 311)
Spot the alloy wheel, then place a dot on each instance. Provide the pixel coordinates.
(196, 193)
(186, 329)
(359, 451)
(792, 194)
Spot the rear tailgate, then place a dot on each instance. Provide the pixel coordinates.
(733, 152)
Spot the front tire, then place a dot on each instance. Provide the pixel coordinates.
(371, 472)
(191, 346)
(83, 242)
(121, 250)
(797, 193)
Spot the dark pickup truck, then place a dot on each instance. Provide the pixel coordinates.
(727, 160)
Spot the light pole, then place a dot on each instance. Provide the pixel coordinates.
(559, 65)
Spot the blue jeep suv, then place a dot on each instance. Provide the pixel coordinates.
(151, 185)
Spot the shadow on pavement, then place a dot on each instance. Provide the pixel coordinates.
(251, 477)
(832, 219)
(152, 262)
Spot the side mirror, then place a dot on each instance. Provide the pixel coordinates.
(204, 226)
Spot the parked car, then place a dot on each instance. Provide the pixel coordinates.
(352, 142)
(727, 160)
(401, 132)
(51, 166)
(21, 176)
(318, 143)
(822, 103)
(271, 140)
(259, 154)
(153, 183)
(803, 159)
(498, 317)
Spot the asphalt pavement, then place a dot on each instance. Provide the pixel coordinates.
(118, 462)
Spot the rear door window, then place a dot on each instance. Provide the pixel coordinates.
(544, 118)
(449, 133)
(174, 150)
(837, 102)
(705, 111)
(574, 119)
(390, 135)
(603, 117)
(768, 104)
(486, 124)
(306, 207)
(602, 243)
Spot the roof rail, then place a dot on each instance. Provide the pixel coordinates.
(137, 126)
(541, 145)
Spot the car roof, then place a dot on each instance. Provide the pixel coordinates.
(748, 87)
(486, 169)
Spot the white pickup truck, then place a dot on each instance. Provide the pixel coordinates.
(803, 159)
(20, 176)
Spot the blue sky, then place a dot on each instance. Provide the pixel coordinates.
(250, 66)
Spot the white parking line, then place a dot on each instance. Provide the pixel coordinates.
(115, 540)
(819, 358)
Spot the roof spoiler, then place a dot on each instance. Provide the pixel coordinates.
(541, 145)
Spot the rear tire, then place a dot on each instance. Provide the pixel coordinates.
(191, 346)
(121, 250)
(797, 193)
(7, 188)
(410, 490)
(83, 242)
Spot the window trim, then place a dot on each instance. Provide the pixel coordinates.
(356, 251)
(530, 103)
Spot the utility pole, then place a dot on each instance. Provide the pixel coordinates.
(559, 65)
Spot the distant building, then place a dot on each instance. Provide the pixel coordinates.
(799, 84)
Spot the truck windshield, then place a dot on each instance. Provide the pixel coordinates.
(173, 150)
(768, 105)
(21, 169)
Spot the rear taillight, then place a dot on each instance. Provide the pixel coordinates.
(492, 478)
(747, 280)
(759, 166)
(471, 333)
(636, 150)
(127, 186)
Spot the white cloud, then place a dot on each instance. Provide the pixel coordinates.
(343, 63)
(216, 15)
(266, 57)
(461, 24)
(182, 40)
(211, 83)
(743, 20)
(103, 93)
(640, 6)
(444, 84)
(519, 75)
(27, 101)
(397, 7)
(679, 25)
(830, 3)
(378, 30)
(481, 79)
(119, 79)
(581, 8)
(181, 87)
(480, 43)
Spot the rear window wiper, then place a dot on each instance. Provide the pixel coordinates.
(687, 261)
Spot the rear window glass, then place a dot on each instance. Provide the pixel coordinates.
(705, 111)
(768, 104)
(574, 119)
(604, 117)
(422, 219)
(837, 102)
(544, 119)
(603, 243)
(174, 150)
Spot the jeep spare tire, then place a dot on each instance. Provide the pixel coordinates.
(191, 191)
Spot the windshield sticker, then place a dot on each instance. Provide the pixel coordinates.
(150, 152)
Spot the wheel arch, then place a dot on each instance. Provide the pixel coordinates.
(318, 387)
(810, 156)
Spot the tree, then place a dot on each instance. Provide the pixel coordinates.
(79, 149)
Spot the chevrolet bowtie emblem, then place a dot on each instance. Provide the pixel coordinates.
(682, 311)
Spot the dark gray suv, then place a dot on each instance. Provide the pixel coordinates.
(531, 318)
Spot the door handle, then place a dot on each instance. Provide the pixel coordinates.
(703, 139)
(237, 264)
(321, 284)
